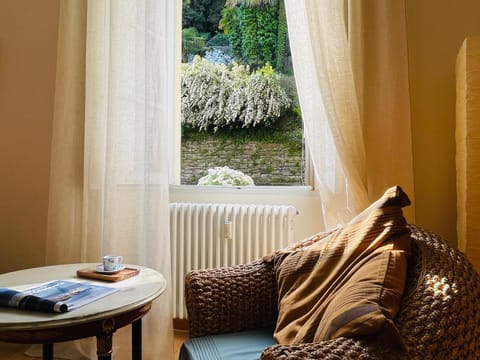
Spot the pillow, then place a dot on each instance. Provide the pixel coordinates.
(347, 281)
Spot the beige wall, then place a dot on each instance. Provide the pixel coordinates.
(28, 39)
(436, 30)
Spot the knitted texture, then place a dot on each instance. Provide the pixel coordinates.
(335, 349)
(439, 316)
(241, 297)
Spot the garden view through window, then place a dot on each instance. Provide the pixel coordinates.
(241, 121)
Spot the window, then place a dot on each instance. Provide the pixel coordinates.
(239, 102)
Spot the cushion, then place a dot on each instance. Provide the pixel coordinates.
(347, 281)
(244, 345)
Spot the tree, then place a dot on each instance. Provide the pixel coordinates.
(257, 30)
(192, 43)
(202, 14)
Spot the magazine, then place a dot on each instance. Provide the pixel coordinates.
(54, 296)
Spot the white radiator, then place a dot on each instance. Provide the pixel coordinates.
(214, 235)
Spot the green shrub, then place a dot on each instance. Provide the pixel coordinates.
(219, 40)
(193, 43)
(257, 31)
(215, 96)
(203, 14)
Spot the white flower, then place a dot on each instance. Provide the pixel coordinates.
(224, 176)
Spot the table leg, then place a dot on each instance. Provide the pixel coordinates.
(104, 347)
(137, 340)
(47, 351)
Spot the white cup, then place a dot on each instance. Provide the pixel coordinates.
(112, 262)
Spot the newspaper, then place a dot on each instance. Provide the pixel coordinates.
(55, 296)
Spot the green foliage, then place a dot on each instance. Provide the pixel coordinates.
(215, 96)
(297, 110)
(250, 45)
(230, 24)
(257, 31)
(192, 43)
(250, 3)
(281, 44)
(202, 14)
(229, 19)
(267, 32)
(219, 40)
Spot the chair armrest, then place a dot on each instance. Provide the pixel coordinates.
(335, 349)
(229, 299)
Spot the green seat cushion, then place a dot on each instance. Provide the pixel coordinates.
(243, 345)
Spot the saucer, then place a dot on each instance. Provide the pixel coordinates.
(99, 269)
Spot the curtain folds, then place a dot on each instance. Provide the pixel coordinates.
(379, 52)
(64, 229)
(351, 70)
(111, 144)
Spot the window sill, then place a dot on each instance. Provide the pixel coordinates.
(250, 190)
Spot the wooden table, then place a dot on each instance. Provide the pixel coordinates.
(100, 318)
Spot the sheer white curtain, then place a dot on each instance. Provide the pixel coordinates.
(357, 123)
(111, 156)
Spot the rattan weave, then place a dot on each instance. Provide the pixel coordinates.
(439, 316)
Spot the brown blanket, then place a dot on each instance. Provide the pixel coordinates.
(348, 281)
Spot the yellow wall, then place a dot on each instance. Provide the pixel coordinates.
(436, 30)
(28, 33)
(28, 40)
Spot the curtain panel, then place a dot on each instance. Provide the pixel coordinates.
(357, 122)
(112, 145)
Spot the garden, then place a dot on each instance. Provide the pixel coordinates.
(239, 104)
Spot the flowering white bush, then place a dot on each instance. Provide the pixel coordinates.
(224, 176)
(216, 96)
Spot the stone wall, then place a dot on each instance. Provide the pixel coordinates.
(266, 163)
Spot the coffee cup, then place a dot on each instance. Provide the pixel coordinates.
(112, 262)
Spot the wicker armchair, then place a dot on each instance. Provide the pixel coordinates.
(439, 317)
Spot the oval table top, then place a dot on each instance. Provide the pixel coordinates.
(133, 293)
